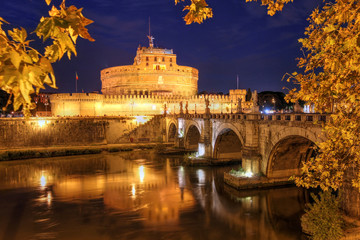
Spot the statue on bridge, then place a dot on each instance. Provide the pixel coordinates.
(255, 108)
(181, 107)
(298, 108)
(165, 109)
(207, 104)
(187, 107)
(239, 106)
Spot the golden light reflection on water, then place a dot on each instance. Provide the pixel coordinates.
(43, 181)
(49, 198)
(133, 190)
(159, 195)
(141, 173)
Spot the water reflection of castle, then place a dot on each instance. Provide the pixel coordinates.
(153, 84)
(156, 194)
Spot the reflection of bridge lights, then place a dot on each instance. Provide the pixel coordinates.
(201, 176)
(133, 190)
(181, 177)
(141, 173)
(49, 198)
(43, 181)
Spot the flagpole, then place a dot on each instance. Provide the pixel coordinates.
(237, 81)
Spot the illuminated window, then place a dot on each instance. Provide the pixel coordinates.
(163, 59)
(147, 58)
(159, 67)
(170, 64)
(155, 59)
(170, 59)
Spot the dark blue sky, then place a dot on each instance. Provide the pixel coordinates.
(240, 39)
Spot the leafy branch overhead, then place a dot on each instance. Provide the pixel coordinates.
(23, 69)
(330, 81)
(199, 10)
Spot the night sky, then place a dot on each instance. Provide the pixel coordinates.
(240, 39)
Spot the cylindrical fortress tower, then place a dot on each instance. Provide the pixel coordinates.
(154, 72)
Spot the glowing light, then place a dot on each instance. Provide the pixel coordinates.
(269, 111)
(141, 173)
(153, 107)
(248, 174)
(41, 123)
(201, 150)
(43, 181)
(201, 176)
(141, 119)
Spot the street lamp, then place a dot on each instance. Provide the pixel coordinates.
(132, 108)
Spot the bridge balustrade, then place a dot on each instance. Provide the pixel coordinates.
(263, 117)
(294, 117)
(322, 118)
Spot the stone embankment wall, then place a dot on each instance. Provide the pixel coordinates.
(36, 132)
(124, 132)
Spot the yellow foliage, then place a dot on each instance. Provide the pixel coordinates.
(23, 70)
(331, 81)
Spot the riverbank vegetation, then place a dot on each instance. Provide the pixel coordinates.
(323, 218)
(68, 151)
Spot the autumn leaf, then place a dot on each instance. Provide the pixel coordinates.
(23, 70)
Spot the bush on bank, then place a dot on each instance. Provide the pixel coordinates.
(323, 219)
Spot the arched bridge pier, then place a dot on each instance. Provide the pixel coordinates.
(274, 145)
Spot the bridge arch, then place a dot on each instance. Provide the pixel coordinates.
(227, 142)
(172, 132)
(287, 155)
(171, 129)
(192, 136)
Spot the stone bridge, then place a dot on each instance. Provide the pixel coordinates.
(274, 145)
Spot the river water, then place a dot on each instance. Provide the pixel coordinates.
(138, 195)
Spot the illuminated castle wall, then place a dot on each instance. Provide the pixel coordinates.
(153, 84)
(154, 72)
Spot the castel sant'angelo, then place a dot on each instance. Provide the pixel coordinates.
(153, 84)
